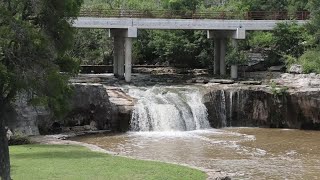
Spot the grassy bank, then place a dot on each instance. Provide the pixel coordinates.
(75, 162)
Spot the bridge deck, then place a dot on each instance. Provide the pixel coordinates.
(122, 19)
(192, 24)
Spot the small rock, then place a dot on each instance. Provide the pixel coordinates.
(93, 126)
(277, 68)
(87, 127)
(296, 69)
(199, 81)
(313, 75)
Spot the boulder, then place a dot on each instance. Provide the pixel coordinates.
(9, 134)
(296, 69)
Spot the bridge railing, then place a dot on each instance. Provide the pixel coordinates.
(167, 14)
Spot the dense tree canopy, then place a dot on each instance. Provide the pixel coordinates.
(34, 36)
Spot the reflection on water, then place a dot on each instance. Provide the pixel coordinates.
(243, 153)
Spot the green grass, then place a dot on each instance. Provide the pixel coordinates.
(74, 162)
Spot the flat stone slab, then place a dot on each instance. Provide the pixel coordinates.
(222, 81)
(276, 68)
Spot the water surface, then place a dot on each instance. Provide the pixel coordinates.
(242, 153)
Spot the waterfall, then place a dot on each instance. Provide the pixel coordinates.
(223, 111)
(168, 109)
(230, 108)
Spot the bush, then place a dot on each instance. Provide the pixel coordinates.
(310, 61)
(19, 140)
(236, 57)
(261, 40)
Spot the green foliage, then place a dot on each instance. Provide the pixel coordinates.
(314, 26)
(19, 139)
(310, 61)
(290, 60)
(289, 39)
(261, 40)
(58, 93)
(181, 47)
(68, 64)
(34, 37)
(278, 90)
(92, 46)
(236, 57)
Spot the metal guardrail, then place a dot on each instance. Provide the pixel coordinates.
(167, 14)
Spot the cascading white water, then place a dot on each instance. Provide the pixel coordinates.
(168, 109)
(223, 110)
(230, 109)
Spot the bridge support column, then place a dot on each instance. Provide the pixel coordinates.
(128, 58)
(116, 47)
(123, 51)
(223, 46)
(216, 65)
(121, 58)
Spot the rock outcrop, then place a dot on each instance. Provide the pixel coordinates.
(262, 106)
(122, 106)
(90, 106)
(23, 118)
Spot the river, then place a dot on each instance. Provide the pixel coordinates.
(169, 124)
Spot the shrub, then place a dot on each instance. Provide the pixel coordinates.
(310, 61)
(236, 57)
(261, 40)
(278, 90)
(18, 139)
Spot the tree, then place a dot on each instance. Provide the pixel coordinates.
(288, 40)
(314, 25)
(34, 34)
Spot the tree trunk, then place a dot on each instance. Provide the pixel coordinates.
(4, 151)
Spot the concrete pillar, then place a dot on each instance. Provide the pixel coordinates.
(121, 58)
(216, 68)
(234, 68)
(123, 51)
(128, 58)
(116, 47)
(223, 46)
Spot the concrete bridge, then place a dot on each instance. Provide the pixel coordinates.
(123, 26)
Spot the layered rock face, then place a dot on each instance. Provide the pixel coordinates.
(98, 107)
(22, 118)
(90, 106)
(93, 107)
(262, 106)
